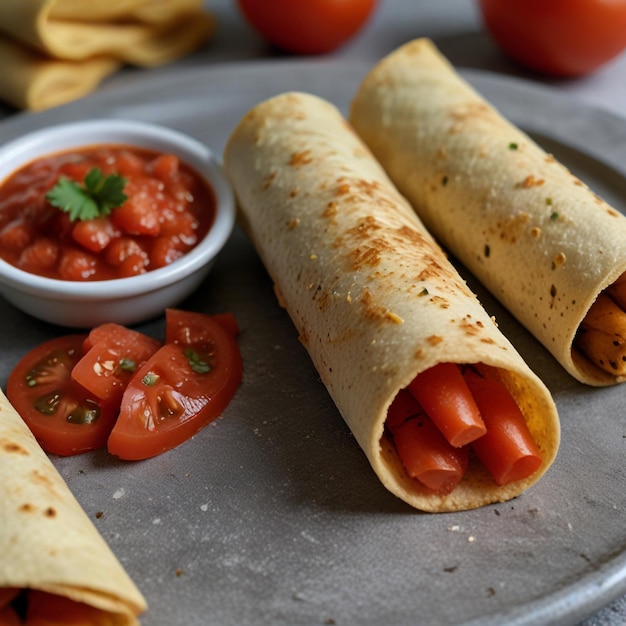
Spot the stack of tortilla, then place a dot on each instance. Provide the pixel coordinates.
(54, 51)
(49, 546)
(374, 299)
(538, 238)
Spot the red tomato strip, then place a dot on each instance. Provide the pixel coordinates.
(428, 457)
(403, 407)
(447, 400)
(508, 449)
(423, 450)
(7, 595)
(47, 609)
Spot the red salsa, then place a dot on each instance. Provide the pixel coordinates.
(168, 210)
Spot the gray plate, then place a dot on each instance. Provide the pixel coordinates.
(272, 514)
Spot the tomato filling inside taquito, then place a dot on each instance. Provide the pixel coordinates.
(55, 568)
(406, 351)
(540, 240)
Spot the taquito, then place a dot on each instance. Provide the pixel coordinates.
(534, 234)
(54, 565)
(373, 298)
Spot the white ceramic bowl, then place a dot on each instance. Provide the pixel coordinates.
(124, 300)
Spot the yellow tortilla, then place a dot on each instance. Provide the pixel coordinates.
(372, 296)
(37, 82)
(140, 32)
(54, 51)
(47, 542)
(536, 236)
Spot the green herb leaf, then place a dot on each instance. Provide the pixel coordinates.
(196, 364)
(150, 379)
(127, 365)
(98, 196)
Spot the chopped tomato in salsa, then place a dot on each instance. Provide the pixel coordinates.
(168, 210)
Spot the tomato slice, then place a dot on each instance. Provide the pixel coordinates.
(185, 385)
(112, 354)
(65, 418)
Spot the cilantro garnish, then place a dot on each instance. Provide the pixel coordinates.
(150, 379)
(127, 365)
(96, 197)
(196, 364)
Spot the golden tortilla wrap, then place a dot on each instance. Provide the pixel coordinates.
(37, 82)
(47, 542)
(372, 296)
(56, 51)
(538, 238)
(141, 32)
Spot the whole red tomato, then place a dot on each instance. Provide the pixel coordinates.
(307, 26)
(558, 37)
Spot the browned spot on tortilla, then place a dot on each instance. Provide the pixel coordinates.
(12, 447)
(47, 483)
(27, 507)
(411, 235)
(470, 326)
(268, 180)
(323, 300)
(513, 227)
(531, 181)
(468, 112)
(331, 210)
(50, 512)
(359, 188)
(369, 188)
(301, 158)
(364, 228)
(434, 340)
(364, 256)
(368, 249)
(343, 189)
(370, 308)
(433, 268)
(443, 303)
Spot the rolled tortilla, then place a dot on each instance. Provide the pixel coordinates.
(48, 545)
(538, 238)
(372, 296)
